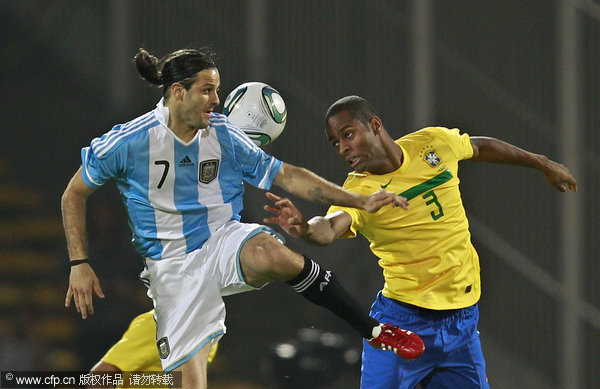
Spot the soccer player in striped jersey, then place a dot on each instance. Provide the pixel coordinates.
(180, 170)
(431, 269)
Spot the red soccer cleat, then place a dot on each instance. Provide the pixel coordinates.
(405, 344)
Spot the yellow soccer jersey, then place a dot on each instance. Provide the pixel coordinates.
(137, 351)
(425, 252)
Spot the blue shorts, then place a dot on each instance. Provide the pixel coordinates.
(452, 358)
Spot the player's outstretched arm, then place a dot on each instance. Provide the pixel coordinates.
(306, 184)
(82, 280)
(496, 151)
(320, 230)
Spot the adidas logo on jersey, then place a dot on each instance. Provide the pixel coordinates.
(186, 161)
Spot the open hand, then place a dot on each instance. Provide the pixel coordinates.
(82, 282)
(287, 216)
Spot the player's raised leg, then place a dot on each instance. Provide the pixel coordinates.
(263, 259)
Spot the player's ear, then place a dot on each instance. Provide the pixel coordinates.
(177, 90)
(376, 125)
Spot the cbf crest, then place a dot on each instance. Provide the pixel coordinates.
(208, 170)
(432, 158)
(163, 347)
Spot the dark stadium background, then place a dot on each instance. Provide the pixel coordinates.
(522, 71)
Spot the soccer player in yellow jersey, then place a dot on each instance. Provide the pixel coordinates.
(136, 351)
(431, 269)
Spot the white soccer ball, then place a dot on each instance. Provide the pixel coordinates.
(257, 109)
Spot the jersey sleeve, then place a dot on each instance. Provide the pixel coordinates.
(358, 215)
(97, 170)
(460, 144)
(258, 168)
(357, 220)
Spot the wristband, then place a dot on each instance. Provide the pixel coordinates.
(76, 262)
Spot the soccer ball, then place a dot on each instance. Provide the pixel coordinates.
(257, 109)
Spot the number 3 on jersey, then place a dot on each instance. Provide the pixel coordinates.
(434, 200)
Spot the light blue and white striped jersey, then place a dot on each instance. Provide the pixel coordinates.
(177, 194)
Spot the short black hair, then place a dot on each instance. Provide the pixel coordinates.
(356, 106)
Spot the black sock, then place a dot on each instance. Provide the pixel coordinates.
(321, 288)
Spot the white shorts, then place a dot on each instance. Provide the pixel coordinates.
(187, 292)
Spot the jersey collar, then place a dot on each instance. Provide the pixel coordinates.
(162, 113)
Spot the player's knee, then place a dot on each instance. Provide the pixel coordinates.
(284, 263)
(276, 260)
(265, 259)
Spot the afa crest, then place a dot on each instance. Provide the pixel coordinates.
(163, 347)
(432, 158)
(208, 170)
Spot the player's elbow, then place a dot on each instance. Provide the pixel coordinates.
(76, 191)
(321, 232)
(68, 197)
(71, 196)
